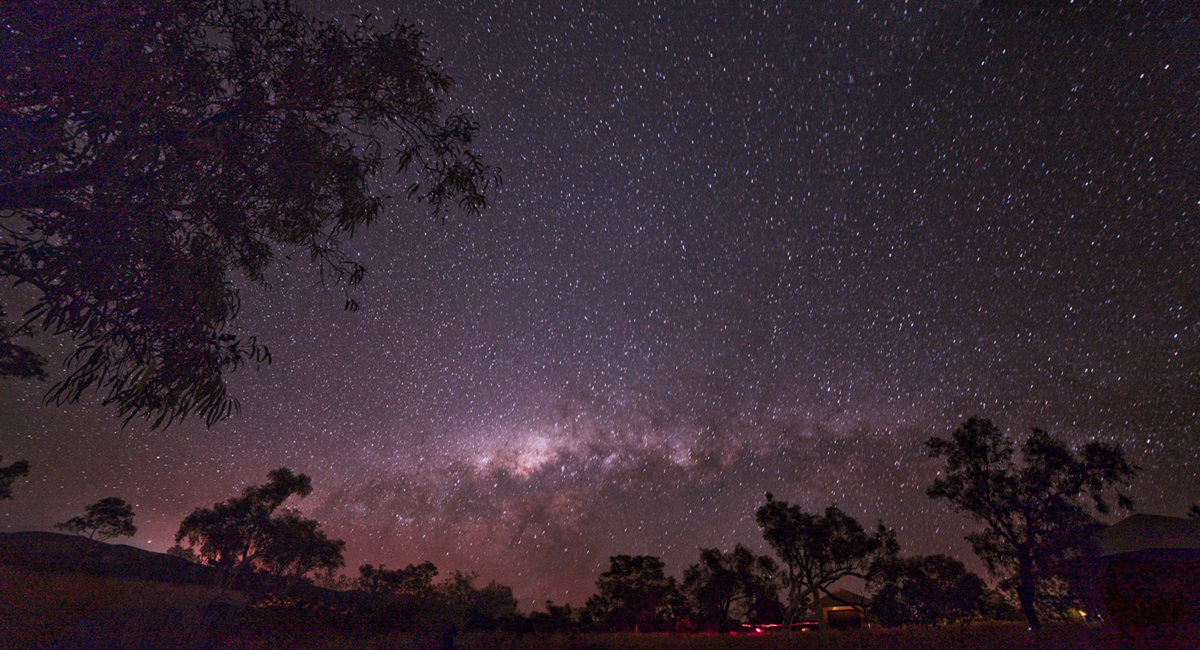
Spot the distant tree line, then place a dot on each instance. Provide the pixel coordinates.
(1038, 531)
(1038, 523)
(1036, 513)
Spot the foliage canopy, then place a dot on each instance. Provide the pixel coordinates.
(153, 155)
(817, 550)
(633, 595)
(927, 589)
(722, 581)
(474, 607)
(9, 474)
(243, 534)
(17, 360)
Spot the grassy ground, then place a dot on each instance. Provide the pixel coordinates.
(51, 610)
(982, 636)
(81, 611)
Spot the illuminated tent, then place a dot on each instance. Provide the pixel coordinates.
(844, 608)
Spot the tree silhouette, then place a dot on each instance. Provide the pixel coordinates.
(1034, 521)
(18, 360)
(109, 517)
(722, 580)
(557, 619)
(21, 362)
(924, 589)
(634, 594)
(474, 607)
(1194, 510)
(242, 534)
(9, 474)
(414, 580)
(154, 156)
(296, 546)
(817, 551)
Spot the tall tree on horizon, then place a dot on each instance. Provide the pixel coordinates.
(1034, 521)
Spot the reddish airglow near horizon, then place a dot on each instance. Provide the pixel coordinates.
(739, 248)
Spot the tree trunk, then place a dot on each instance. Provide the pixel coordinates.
(722, 625)
(822, 621)
(789, 615)
(1027, 594)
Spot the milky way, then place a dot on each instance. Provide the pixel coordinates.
(739, 248)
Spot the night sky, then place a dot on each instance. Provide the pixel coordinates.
(739, 248)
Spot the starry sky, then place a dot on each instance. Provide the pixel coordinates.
(739, 248)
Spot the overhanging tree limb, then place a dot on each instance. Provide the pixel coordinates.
(154, 155)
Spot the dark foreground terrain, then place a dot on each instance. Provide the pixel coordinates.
(58, 591)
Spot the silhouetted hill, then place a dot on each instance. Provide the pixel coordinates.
(55, 552)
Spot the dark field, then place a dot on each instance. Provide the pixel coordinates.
(63, 610)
